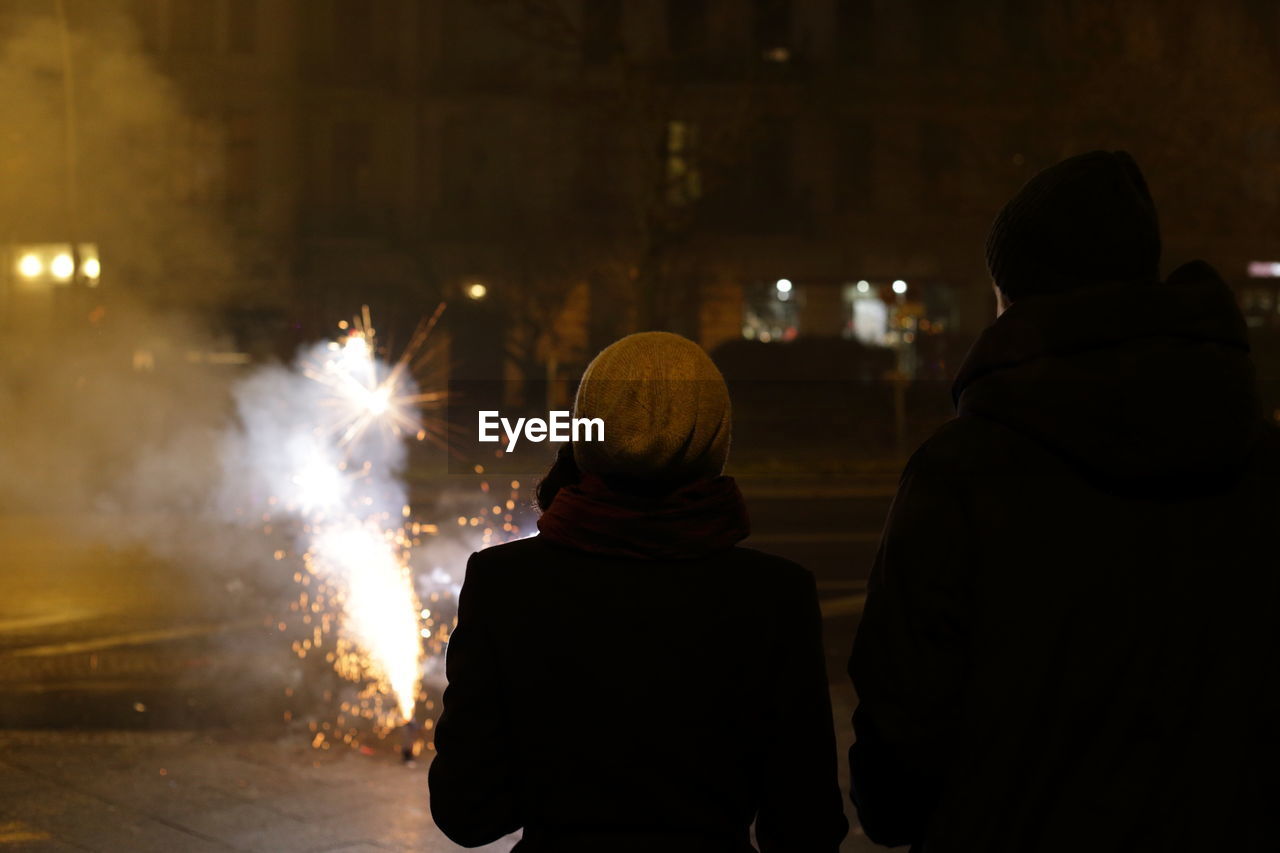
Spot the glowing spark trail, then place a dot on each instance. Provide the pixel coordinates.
(356, 543)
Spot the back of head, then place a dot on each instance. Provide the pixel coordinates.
(665, 409)
(1086, 221)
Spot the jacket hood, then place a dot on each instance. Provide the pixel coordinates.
(1146, 385)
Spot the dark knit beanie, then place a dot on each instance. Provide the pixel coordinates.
(1089, 219)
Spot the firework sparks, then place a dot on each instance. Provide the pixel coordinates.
(329, 440)
(323, 446)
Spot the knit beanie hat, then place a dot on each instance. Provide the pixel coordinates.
(1089, 219)
(665, 409)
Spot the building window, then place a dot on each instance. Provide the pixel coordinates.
(352, 170)
(942, 33)
(146, 17)
(242, 159)
(688, 28)
(769, 313)
(195, 160)
(855, 20)
(242, 26)
(773, 29)
(944, 163)
(853, 171)
(353, 28)
(192, 25)
(683, 177)
(1023, 33)
(771, 153)
(354, 48)
(601, 30)
(465, 164)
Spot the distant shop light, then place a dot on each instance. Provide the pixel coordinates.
(30, 266)
(1264, 269)
(55, 263)
(783, 285)
(477, 291)
(899, 287)
(62, 267)
(864, 286)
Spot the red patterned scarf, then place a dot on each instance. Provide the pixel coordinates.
(692, 521)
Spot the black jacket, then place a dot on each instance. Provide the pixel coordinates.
(609, 704)
(1069, 642)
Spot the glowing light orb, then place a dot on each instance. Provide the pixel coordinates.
(30, 266)
(62, 267)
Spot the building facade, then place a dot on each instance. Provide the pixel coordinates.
(605, 165)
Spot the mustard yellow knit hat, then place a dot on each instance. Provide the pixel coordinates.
(665, 409)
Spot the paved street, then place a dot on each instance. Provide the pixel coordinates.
(199, 792)
(114, 667)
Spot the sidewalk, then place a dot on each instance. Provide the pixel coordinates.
(179, 791)
(164, 792)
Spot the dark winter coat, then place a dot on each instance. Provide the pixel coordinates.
(611, 703)
(1070, 640)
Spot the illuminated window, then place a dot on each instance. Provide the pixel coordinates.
(766, 315)
(870, 321)
(684, 179)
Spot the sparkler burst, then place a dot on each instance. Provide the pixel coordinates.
(319, 454)
(327, 442)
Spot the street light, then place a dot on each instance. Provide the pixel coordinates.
(62, 267)
(55, 263)
(783, 285)
(864, 286)
(477, 291)
(899, 287)
(30, 266)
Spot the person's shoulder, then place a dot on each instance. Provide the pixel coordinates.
(497, 558)
(1265, 459)
(769, 568)
(963, 445)
(1269, 442)
(502, 560)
